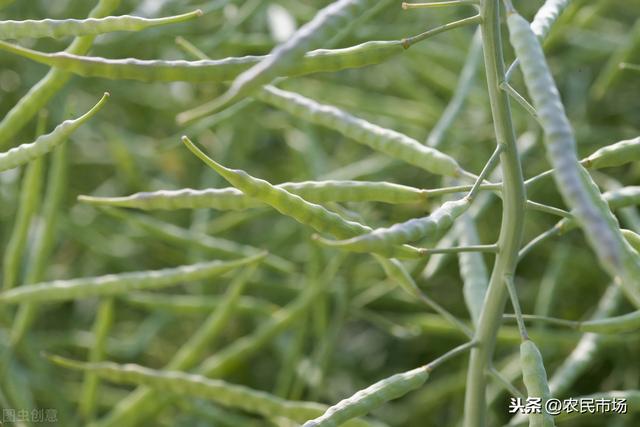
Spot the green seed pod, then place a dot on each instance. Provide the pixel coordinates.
(614, 155)
(26, 152)
(113, 284)
(546, 16)
(561, 147)
(370, 398)
(612, 325)
(380, 139)
(82, 27)
(381, 239)
(234, 199)
(40, 93)
(535, 380)
(217, 70)
(313, 215)
(321, 28)
(218, 391)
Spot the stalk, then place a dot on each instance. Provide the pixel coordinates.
(513, 206)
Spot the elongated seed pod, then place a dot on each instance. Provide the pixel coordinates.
(612, 325)
(218, 391)
(561, 146)
(535, 380)
(614, 155)
(283, 57)
(546, 16)
(313, 215)
(40, 93)
(216, 70)
(380, 139)
(82, 27)
(26, 152)
(234, 199)
(370, 398)
(113, 284)
(380, 239)
(542, 22)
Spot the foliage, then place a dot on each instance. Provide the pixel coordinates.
(406, 136)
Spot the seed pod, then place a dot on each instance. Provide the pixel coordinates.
(113, 284)
(82, 27)
(217, 70)
(612, 325)
(313, 215)
(370, 398)
(546, 16)
(234, 199)
(26, 152)
(218, 391)
(561, 147)
(380, 139)
(613, 155)
(381, 239)
(535, 380)
(40, 93)
(284, 57)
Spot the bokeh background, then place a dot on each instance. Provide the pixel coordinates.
(362, 329)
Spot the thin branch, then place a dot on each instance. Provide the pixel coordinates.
(409, 41)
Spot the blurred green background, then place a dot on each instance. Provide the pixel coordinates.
(133, 145)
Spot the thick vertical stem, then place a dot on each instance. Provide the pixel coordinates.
(512, 220)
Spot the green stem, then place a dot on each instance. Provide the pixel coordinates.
(513, 196)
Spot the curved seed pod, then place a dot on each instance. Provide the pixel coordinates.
(294, 206)
(26, 152)
(560, 142)
(542, 22)
(234, 199)
(380, 139)
(217, 70)
(218, 391)
(370, 398)
(613, 155)
(83, 27)
(535, 380)
(546, 16)
(113, 284)
(40, 93)
(321, 28)
(380, 239)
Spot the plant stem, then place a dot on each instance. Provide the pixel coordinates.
(513, 196)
